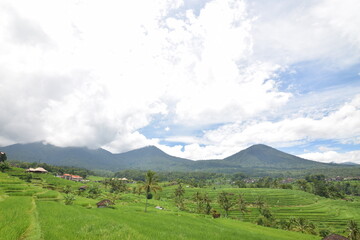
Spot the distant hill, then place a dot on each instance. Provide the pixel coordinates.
(349, 163)
(255, 159)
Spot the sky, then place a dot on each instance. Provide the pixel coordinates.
(198, 79)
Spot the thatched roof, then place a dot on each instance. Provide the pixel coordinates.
(37, 170)
(335, 237)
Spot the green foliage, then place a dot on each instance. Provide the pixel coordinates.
(238, 176)
(116, 186)
(241, 203)
(94, 191)
(353, 229)
(3, 157)
(225, 201)
(179, 197)
(324, 232)
(69, 199)
(302, 225)
(27, 177)
(67, 189)
(4, 166)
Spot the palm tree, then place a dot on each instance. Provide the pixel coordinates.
(242, 204)
(150, 185)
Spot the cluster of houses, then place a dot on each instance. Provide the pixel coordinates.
(64, 176)
(75, 178)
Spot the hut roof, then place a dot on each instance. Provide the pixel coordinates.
(39, 169)
(334, 237)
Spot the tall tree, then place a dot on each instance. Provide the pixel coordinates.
(225, 202)
(3, 157)
(150, 185)
(198, 198)
(179, 196)
(207, 207)
(242, 204)
(260, 202)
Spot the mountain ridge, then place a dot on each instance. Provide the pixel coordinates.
(255, 158)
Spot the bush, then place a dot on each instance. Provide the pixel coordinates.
(4, 166)
(27, 177)
(324, 233)
(69, 199)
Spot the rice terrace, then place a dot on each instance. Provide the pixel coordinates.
(180, 120)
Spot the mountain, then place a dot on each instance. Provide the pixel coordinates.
(262, 156)
(349, 164)
(152, 157)
(67, 156)
(255, 159)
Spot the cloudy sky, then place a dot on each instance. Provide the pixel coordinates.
(199, 79)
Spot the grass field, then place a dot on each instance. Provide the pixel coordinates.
(36, 210)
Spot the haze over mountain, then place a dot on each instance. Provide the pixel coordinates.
(255, 158)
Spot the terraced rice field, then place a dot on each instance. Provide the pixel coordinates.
(32, 211)
(284, 204)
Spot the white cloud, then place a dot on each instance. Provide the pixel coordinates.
(89, 73)
(93, 74)
(333, 156)
(288, 32)
(341, 125)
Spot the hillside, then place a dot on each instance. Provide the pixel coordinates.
(257, 159)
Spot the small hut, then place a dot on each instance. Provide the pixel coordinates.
(335, 237)
(104, 203)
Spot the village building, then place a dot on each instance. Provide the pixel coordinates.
(36, 170)
(72, 177)
(120, 179)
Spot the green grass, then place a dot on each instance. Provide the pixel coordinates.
(70, 222)
(15, 217)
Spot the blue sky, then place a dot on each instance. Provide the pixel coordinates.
(198, 79)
